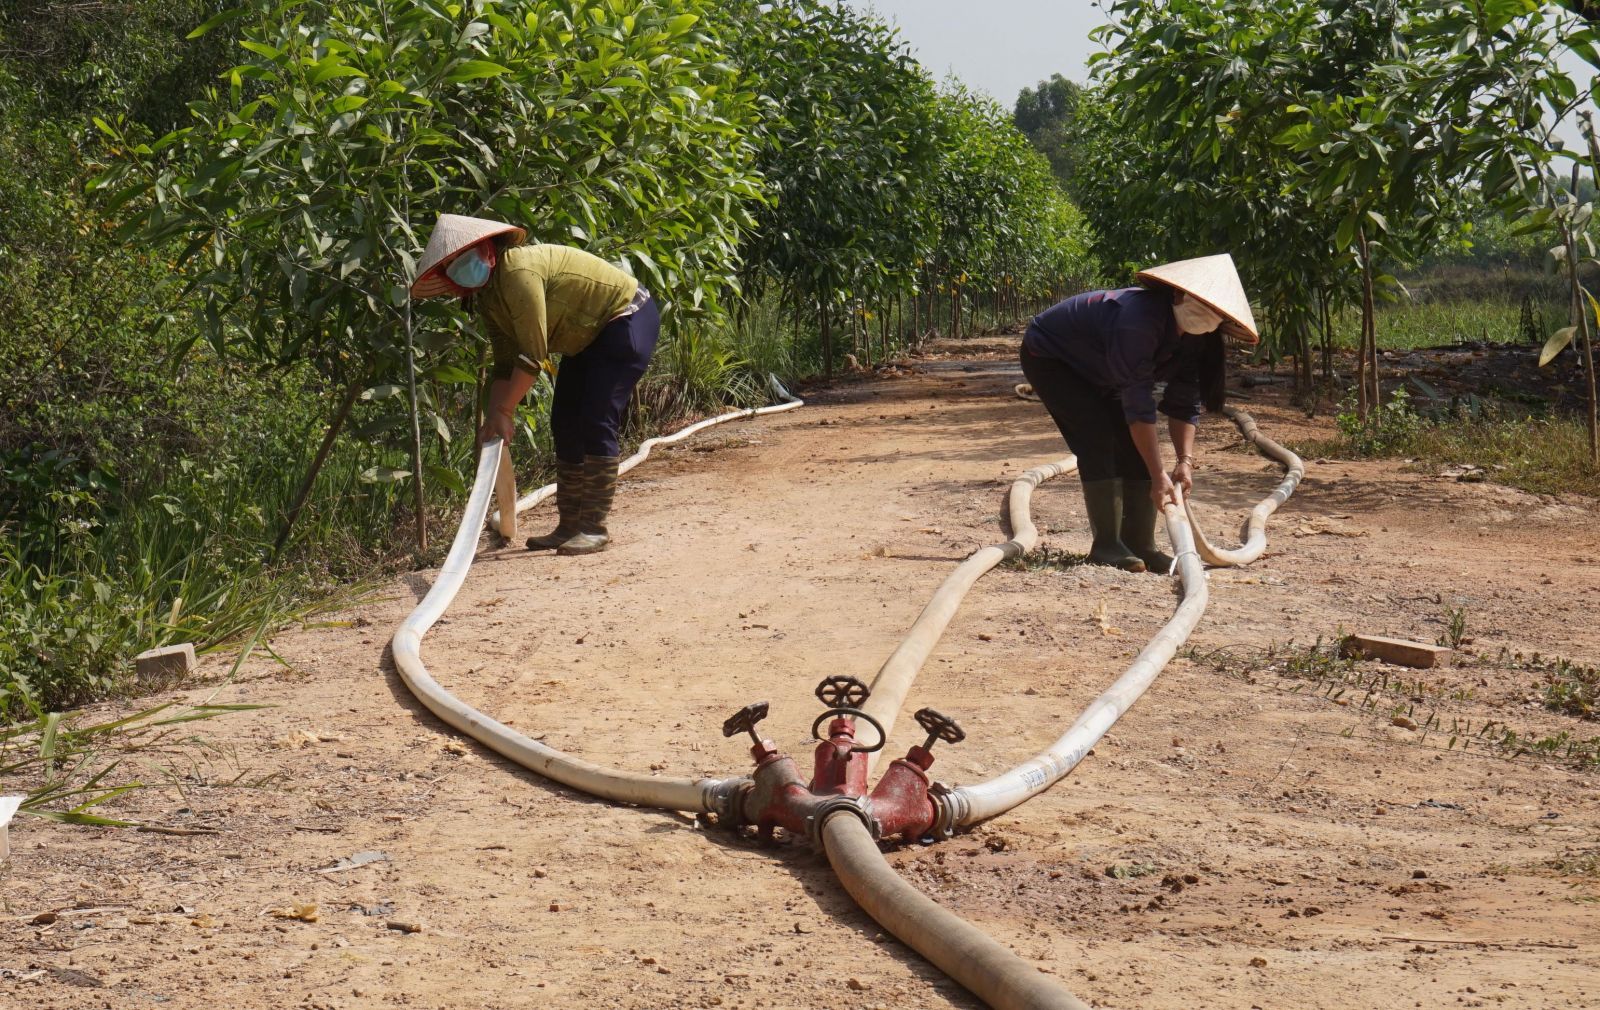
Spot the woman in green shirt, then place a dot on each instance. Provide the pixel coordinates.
(539, 300)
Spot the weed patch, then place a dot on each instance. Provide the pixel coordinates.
(1043, 559)
(1412, 703)
(1541, 454)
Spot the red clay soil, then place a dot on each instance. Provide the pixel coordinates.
(1243, 838)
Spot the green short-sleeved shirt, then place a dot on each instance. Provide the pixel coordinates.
(549, 299)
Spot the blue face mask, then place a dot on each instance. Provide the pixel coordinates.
(470, 270)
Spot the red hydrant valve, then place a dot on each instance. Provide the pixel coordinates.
(938, 726)
(744, 721)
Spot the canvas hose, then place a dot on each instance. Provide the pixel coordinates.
(986, 967)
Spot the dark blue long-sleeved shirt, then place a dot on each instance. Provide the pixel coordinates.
(1124, 341)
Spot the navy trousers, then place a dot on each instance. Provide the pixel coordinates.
(593, 386)
(1090, 419)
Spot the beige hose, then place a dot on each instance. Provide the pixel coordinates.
(971, 804)
(893, 681)
(978, 962)
(637, 788)
(1255, 529)
(964, 952)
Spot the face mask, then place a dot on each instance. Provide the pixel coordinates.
(470, 269)
(1194, 317)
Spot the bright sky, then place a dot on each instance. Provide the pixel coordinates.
(998, 46)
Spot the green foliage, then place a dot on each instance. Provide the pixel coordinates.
(1544, 455)
(1048, 117)
(1387, 429)
(64, 763)
(1004, 221)
(1316, 140)
(848, 147)
(1572, 688)
(304, 188)
(1407, 325)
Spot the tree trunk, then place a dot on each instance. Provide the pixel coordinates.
(1327, 336)
(419, 497)
(335, 425)
(1581, 321)
(1583, 314)
(1367, 398)
(827, 340)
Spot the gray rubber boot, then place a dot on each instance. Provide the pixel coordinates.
(1102, 499)
(599, 490)
(568, 477)
(1139, 526)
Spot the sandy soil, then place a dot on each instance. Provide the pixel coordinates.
(1240, 839)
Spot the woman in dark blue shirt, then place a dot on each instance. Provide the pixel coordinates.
(1095, 360)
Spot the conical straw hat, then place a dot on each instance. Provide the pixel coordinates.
(453, 233)
(1214, 281)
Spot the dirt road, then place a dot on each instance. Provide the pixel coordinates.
(1241, 839)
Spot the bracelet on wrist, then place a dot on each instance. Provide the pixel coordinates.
(1186, 458)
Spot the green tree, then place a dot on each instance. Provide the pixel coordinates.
(303, 187)
(848, 145)
(1047, 115)
(1318, 141)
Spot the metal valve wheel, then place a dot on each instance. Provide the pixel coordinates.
(744, 720)
(939, 726)
(843, 694)
(842, 691)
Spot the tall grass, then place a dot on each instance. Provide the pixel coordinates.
(1409, 325)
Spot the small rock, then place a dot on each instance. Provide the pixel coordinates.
(1258, 962)
(404, 927)
(163, 665)
(1404, 722)
(856, 984)
(1419, 874)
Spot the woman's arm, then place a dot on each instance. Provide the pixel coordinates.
(1148, 442)
(1182, 434)
(504, 395)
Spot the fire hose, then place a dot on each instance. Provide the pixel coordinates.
(834, 810)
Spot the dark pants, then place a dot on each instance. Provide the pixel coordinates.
(593, 386)
(1090, 419)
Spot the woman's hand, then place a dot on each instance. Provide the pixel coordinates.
(1183, 476)
(496, 424)
(1163, 490)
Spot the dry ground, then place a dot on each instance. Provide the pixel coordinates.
(1267, 845)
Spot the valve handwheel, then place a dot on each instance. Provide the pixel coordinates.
(842, 692)
(844, 695)
(744, 721)
(939, 726)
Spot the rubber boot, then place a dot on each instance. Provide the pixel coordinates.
(1139, 526)
(568, 477)
(1102, 499)
(594, 504)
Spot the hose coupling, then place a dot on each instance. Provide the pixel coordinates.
(857, 806)
(724, 799)
(950, 809)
